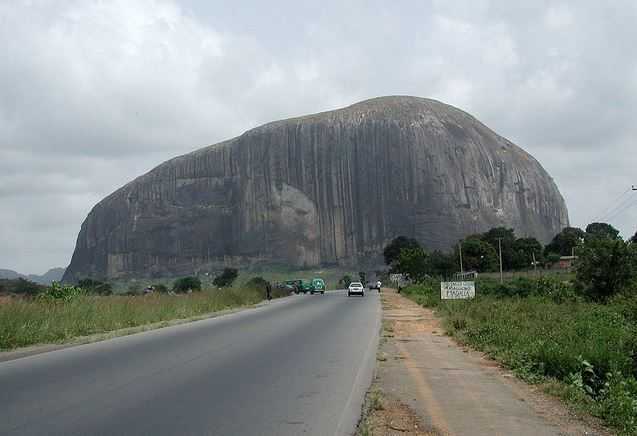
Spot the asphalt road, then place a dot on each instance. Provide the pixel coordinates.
(300, 365)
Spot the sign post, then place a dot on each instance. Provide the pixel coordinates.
(457, 290)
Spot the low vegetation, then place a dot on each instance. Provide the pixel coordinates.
(58, 316)
(547, 331)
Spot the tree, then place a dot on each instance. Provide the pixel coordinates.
(442, 264)
(186, 284)
(392, 250)
(566, 241)
(507, 237)
(226, 278)
(524, 249)
(634, 238)
(602, 230)
(414, 262)
(605, 267)
(363, 276)
(478, 255)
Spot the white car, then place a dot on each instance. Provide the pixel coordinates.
(356, 288)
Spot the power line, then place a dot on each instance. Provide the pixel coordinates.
(620, 206)
(610, 206)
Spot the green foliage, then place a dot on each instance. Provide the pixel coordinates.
(20, 286)
(48, 320)
(226, 278)
(393, 249)
(362, 275)
(508, 245)
(523, 251)
(256, 283)
(634, 238)
(601, 231)
(442, 264)
(605, 267)
(186, 284)
(345, 281)
(61, 292)
(588, 347)
(566, 241)
(478, 255)
(95, 287)
(414, 262)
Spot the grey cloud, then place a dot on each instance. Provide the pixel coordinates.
(93, 94)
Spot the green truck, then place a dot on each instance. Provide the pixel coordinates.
(300, 286)
(318, 285)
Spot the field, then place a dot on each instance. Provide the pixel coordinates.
(34, 321)
(28, 321)
(583, 352)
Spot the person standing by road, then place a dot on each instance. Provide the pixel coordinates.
(268, 291)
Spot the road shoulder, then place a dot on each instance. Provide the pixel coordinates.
(426, 384)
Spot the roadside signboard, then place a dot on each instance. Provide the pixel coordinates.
(457, 290)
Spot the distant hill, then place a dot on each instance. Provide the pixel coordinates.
(54, 274)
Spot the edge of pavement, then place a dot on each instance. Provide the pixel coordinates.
(32, 350)
(404, 396)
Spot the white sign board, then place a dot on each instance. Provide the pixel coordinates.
(457, 290)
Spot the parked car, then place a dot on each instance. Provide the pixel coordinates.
(319, 285)
(356, 288)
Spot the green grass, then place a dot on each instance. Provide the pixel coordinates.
(26, 322)
(586, 352)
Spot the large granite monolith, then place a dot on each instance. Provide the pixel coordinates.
(324, 189)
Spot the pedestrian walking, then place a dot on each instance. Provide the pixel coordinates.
(268, 291)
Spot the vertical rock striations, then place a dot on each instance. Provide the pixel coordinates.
(330, 188)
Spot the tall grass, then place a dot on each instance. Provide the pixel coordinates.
(546, 333)
(33, 321)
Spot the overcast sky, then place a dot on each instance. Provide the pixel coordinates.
(94, 93)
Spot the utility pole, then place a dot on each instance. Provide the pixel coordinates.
(534, 262)
(500, 248)
(460, 253)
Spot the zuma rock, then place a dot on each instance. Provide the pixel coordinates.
(324, 189)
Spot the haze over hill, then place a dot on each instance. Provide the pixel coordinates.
(329, 188)
(54, 274)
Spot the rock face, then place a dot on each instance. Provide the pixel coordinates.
(329, 188)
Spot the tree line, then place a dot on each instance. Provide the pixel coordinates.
(605, 262)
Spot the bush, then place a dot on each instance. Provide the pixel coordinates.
(20, 286)
(226, 278)
(186, 284)
(60, 292)
(345, 281)
(95, 287)
(605, 267)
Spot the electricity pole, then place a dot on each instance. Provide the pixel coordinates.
(500, 248)
(534, 262)
(460, 253)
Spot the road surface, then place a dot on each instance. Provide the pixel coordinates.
(300, 365)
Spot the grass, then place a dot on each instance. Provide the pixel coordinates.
(586, 353)
(33, 321)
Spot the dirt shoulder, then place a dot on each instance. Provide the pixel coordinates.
(426, 384)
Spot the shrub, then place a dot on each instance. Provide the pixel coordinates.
(95, 287)
(186, 284)
(605, 267)
(345, 281)
(226, 278)
(60, 292)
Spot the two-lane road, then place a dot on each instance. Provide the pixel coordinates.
(299, 365)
